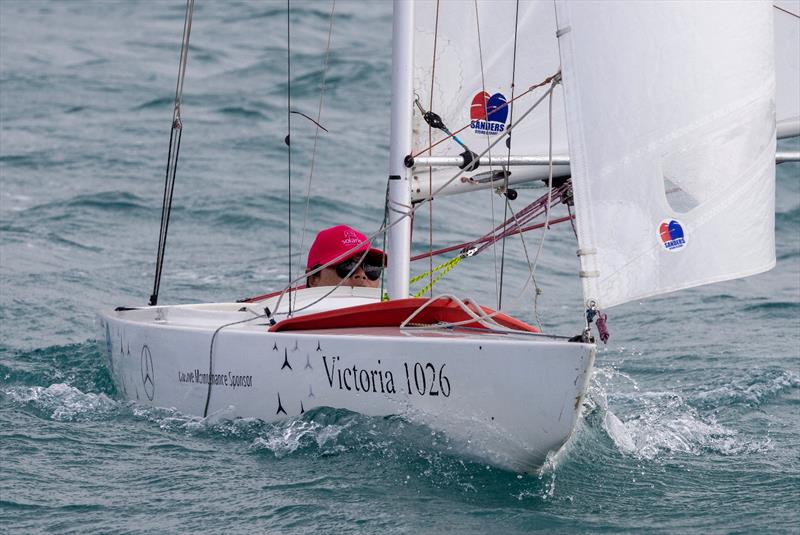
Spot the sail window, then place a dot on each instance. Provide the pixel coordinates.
(679, 200)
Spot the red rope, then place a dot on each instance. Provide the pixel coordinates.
(489, 238)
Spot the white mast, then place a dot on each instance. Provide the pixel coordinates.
(398, 273)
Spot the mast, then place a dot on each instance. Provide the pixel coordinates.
(398, 272)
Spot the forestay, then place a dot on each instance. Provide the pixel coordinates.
(671, 119)
(473, 71)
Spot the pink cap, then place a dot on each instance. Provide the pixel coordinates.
(335, 241)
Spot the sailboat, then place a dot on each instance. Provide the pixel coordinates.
(655, 121)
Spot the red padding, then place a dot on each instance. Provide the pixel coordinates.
(392, 314)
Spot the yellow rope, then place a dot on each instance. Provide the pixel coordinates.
(444, 268)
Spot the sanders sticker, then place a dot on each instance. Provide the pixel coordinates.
(672, 234)
(488, 113)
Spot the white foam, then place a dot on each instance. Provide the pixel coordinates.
(649, 425)
(63, 402)
(287, 437)
(618, 433)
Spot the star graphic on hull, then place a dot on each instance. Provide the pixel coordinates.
(319, 348)
(286, 360)
(295, 346)
(310, 392)
(308, 363)
(275, 346)
(302, 409)
(280, 405)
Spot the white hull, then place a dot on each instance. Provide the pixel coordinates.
(509, 399)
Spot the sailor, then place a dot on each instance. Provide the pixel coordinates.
(350, 244)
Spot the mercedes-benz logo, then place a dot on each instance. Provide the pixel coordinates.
(148, 376)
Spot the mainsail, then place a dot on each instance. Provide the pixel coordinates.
(464, 68)
(671, 119)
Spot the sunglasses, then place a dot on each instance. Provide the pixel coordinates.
(349, 266)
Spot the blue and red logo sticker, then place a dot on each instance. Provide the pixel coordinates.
(488, 113)
(672, 234)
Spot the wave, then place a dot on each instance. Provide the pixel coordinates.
(242, 112)
(63, 402)
(107, 201)
(752, 391)
(788, 219)
(112, 201)
(36, 160)
(161, 102)
(675, 428)
(658, 424)
(777, 307)
(79, 365)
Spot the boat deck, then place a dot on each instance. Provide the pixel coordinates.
(251, 317)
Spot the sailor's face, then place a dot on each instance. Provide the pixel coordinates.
(329, 277)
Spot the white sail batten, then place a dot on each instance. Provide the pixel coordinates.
(468, 80)
(672, 144)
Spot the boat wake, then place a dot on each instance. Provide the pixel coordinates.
(658, 425)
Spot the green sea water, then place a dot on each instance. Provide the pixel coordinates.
(691, 424)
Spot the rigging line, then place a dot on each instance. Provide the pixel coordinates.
(517, 298)
(342, 255)
(363, 255)
(572, 221)
(211, 356)
(544, 82)
(786, 11)
(289, 127)
(527, 214)
(317, 270)
(383, 230)
(430, 141)
(172, 154)
(316, 137)
(508, 156)
(412, 209)
(525, 250)
(310, 119)
(519, 294)
(537, 291)
(488, 149)
(487, 238)
(555, 79)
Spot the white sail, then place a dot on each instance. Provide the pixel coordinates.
(787, 64)
(671, 119)
(474, 54)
